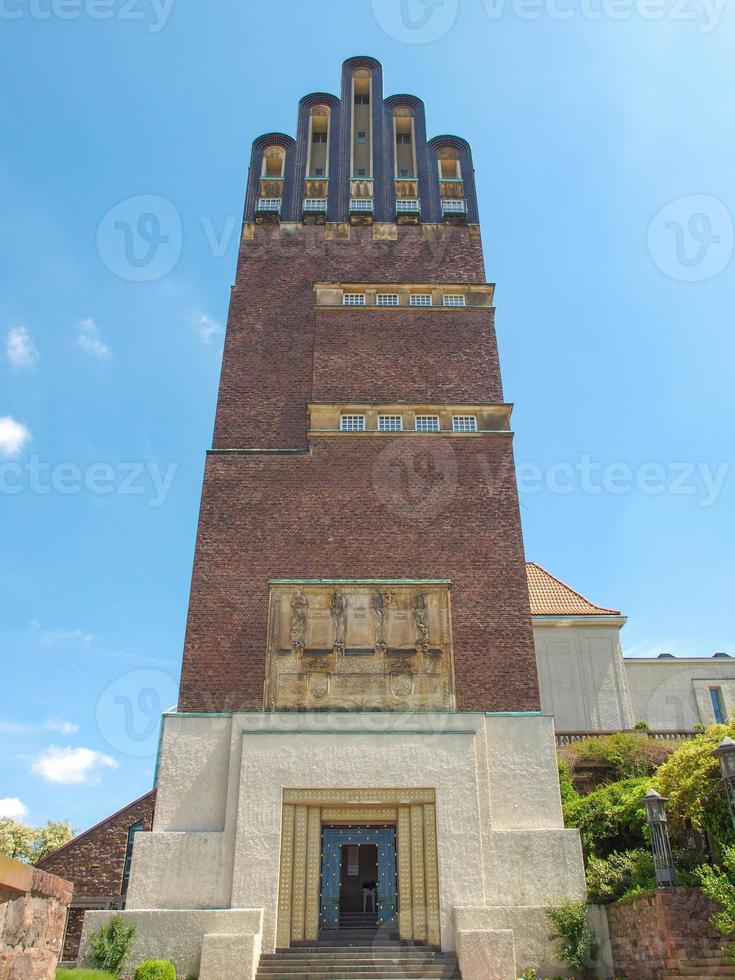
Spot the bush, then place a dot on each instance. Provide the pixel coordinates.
(611, 818)
(566, 784)
(155, 970)
(625, 755)
(575, 943)
(696, 798)
(719, 885)
(111, 945)
(618, 875)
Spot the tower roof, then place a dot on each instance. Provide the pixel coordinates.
(551, 597)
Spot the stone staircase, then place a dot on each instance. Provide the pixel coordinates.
(707, 964)
(357, 954)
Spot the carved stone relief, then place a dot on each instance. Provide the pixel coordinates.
(359, 646)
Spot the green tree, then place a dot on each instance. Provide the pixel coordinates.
(30, 844)
(610, 818)
(575, 942)
(111, 944)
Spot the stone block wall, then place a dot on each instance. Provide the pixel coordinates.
(33, 908)
(652, 933)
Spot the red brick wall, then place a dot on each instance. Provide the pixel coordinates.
(94, 861)
(268, 361)
(654, 933)
(352, 507)
(405, 356)
(362, 507)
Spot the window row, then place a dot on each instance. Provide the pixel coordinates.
(394, 423)
(392, 299)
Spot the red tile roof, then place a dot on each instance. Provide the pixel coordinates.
(551, 597)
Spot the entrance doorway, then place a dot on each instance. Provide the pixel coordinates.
(359, 879)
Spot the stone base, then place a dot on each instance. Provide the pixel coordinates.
(197, 941)
(486, 955)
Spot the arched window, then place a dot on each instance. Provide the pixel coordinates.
(449, 165)
(362, 124)
(274, 162)
(405, 144)
(319, 119)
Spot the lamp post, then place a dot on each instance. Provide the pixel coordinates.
(725, 752)
(663, 858)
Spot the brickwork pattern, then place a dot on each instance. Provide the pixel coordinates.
(653, 934)
(362, 507)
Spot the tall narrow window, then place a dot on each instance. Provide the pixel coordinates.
(405, 150)
(132, 831)
(449, 165)
(718, 705)
(362, 125)
(274, 162)
(318, 164)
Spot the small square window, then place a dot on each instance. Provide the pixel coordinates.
(421, 299)
(390, 423)
(362, 137)
(318, 172)
(352, 423)
(403, 173)
(353, 299)
(427, 423)
(464, 423)
(362, 172)
(362, 100)
(387, 299)
(318, 137)
(454, 299)
(404, 139)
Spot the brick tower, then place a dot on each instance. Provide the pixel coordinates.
(359, 698)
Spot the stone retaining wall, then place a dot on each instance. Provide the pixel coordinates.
(33, 908)
(651, 933)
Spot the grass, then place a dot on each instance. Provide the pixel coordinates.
(83, 975)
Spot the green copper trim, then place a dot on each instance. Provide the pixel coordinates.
(514, 714)
(235, 452)
(355, 731)
(359, 581)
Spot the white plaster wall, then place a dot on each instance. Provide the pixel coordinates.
(500, 835)
(175, 936)
(673, 695)
(581, 673)
(176, 870)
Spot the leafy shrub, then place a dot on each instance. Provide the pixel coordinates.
(611, 818)
(155, 970)
(529, 974)
(719, 885)
(575, 943)
(625, 755)
(111, 945)
(618, 875)
(566, 783)
(692, 782)
(642, 726)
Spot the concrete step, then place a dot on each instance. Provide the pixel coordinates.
(335, 961)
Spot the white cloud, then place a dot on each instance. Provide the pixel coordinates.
(207, 328)
(53, 637)
(13, 436)
(14, 728)
(21, 349)
(13, 808)
(63, 727)
(88, 339)
(71, 766)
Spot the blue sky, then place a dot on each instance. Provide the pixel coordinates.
(603, 138)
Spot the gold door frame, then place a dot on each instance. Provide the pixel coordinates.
(413, 812)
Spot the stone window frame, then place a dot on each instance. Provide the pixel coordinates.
(352, 423)
(464, 423)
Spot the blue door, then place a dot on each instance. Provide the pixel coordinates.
(333, 840)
